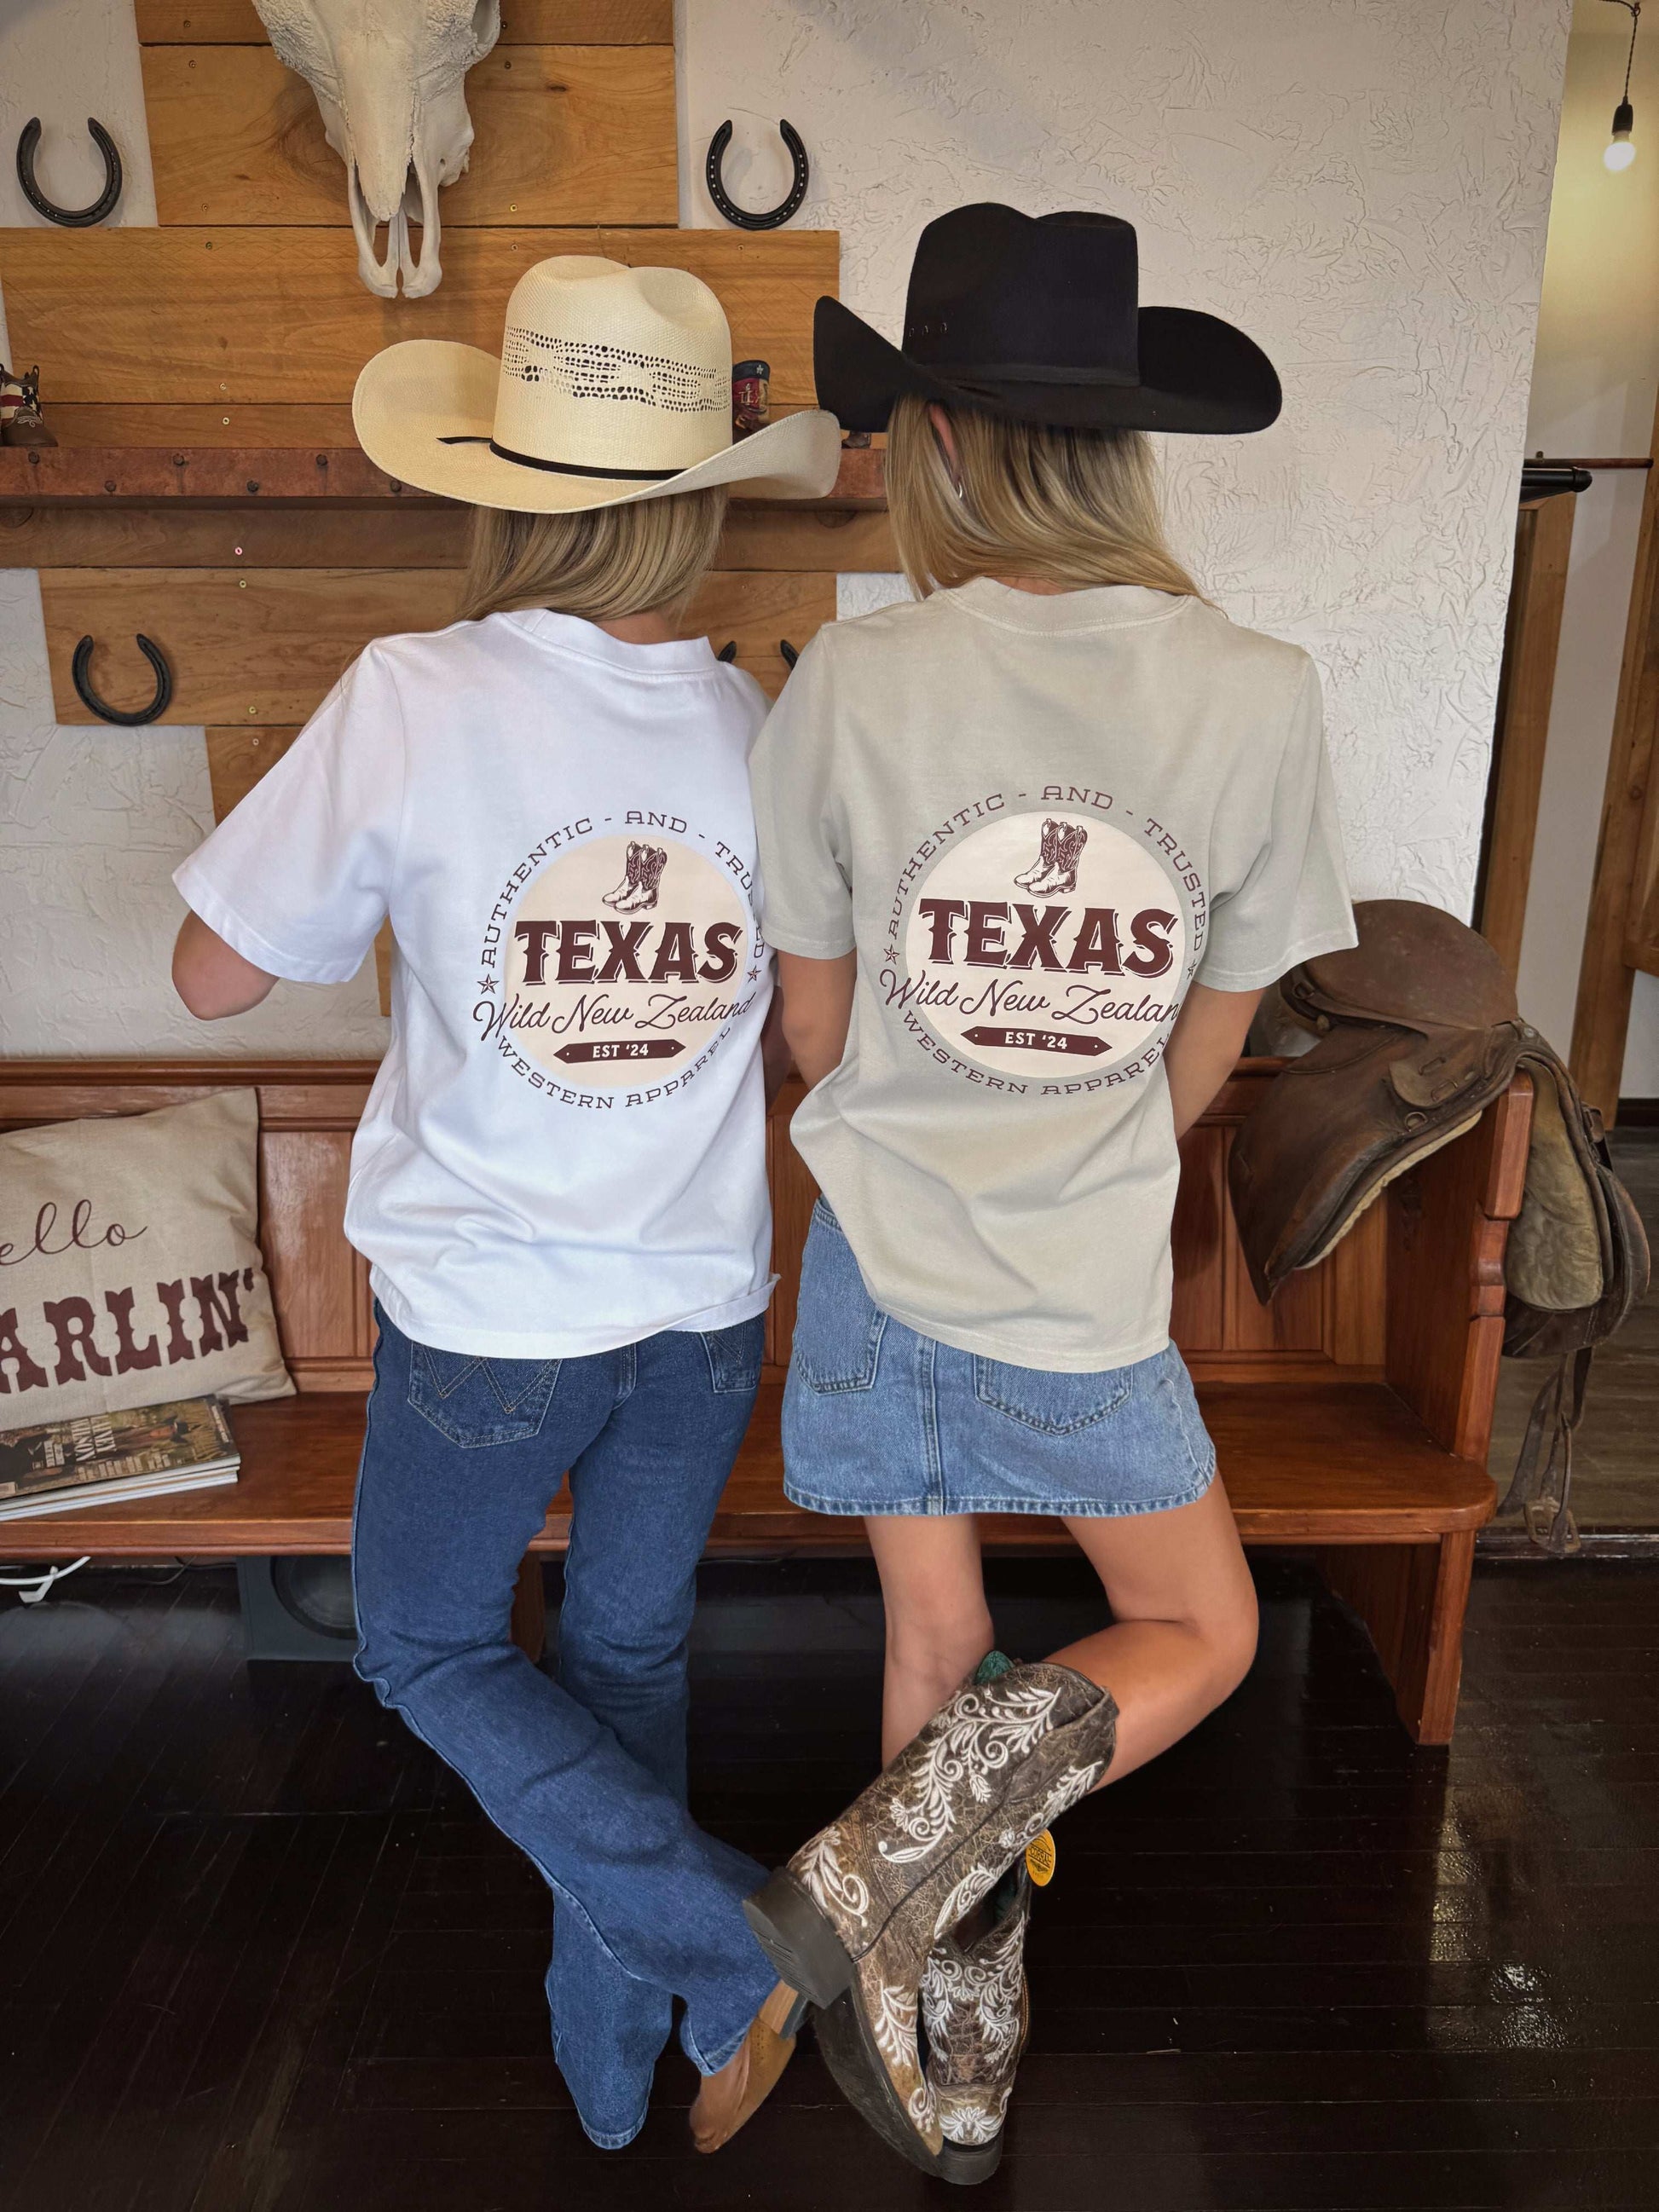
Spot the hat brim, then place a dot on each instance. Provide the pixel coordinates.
(424, 411)
(1198, 374)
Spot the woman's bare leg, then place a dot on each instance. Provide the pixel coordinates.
(1183, 1619)
(938, 1627)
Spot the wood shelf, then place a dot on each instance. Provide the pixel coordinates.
(249, 477)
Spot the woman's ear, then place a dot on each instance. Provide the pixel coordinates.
(939, 421)
(943, 432)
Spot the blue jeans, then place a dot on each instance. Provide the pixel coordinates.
(587, 1774)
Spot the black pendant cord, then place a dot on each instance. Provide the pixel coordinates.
(80, 676)
(745, 218)
(70, 218)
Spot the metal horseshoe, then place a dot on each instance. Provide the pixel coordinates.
(72, 218)
(89, 697)
(744, 217)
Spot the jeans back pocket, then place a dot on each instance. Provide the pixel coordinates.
(473, 1400)
(1055, 1404)
(735, 1355)
(838, 1326)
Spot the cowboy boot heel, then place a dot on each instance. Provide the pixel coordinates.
(799, 1940)
(931, 1836)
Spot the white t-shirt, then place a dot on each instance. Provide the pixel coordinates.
(1037, 818)
(563, 1150)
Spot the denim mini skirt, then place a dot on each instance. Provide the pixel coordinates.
(878, 1418)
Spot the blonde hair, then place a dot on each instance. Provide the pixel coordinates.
(1073, 508)
(602, 564)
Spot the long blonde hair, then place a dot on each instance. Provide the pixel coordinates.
(1073, 508)
(601, 564)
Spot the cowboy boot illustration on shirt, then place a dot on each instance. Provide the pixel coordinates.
(654, 859)
(1062, 878)
(1045, 860)
(853, 1919)
(630, 882)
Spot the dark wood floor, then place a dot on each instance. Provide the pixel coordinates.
(260, 1952)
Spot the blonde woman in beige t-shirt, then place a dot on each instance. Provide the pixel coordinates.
(1032, 847)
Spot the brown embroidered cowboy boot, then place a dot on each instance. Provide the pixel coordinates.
(851, 1919)
(976, 2014)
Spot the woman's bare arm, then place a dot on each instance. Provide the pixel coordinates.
(817, 1007)
(211, 979)
(1207, 1039)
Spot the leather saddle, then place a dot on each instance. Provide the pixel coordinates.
(1417, 1031)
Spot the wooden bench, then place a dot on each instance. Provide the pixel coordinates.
(1353, 1417)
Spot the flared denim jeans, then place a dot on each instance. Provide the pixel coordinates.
(586, 1774)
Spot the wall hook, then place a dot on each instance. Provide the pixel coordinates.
(72, 218)
(89, 697)
(791, 654)
(744, 218)
(728, 651)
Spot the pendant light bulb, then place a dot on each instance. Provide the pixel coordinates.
(1620, 152)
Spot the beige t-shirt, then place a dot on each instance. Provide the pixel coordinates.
(1037, 819)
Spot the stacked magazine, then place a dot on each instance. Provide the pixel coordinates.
(104, 1459)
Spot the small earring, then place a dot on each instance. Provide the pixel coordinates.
(957, 486)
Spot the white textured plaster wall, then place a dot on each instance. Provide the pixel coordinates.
(1363, 183)
(1594, 386)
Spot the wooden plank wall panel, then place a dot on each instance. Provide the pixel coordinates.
(800, 541)
(587, 22)
(196, 316)
(263, 647)
(564, 134)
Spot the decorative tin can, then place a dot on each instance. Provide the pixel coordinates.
(750, 380)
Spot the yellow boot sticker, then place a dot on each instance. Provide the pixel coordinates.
(1040, 1859)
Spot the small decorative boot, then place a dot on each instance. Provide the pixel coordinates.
(654, 859)
(1062, 878)
(1045, 860)
(976, 2014)
(630, 882)
(852, 1918)
(20, 420)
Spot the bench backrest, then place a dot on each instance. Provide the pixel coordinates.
(1412, 1294)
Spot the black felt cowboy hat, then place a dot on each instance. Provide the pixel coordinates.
(1038, 317)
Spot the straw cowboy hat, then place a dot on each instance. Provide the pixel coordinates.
(614, 384)
(1039, 318)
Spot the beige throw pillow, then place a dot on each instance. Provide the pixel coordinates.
(130, 1269)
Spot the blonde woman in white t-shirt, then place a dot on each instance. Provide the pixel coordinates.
(1032, 844)
(559, 1182)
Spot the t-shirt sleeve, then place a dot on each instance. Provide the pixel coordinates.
(800, 825)
(298, 876)
(1290, 898)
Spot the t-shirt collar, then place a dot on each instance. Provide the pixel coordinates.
(570, 634)
(1052, 614)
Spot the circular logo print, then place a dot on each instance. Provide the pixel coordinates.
(1050, 946)
(625, 959)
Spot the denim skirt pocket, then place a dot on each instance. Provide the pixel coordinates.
(475, 1401)
(1053, 1403)
(735, 1355)
(838, 1327)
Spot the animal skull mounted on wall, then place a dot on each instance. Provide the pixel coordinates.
(387, 74)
